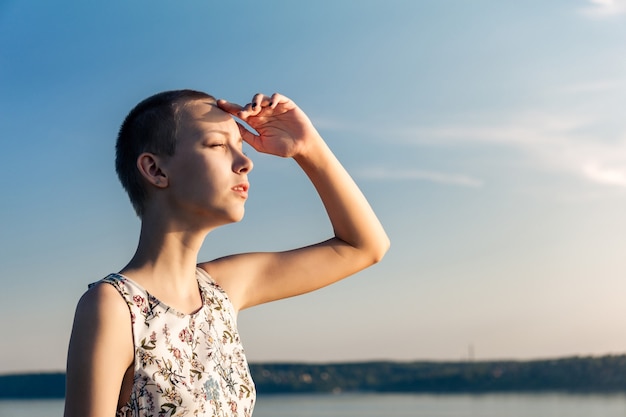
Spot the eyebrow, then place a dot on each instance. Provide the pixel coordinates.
(223, 133)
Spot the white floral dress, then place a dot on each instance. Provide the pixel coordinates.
(186, 364)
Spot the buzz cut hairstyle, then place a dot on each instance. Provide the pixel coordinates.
(151, 126)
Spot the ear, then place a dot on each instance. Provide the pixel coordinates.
(149, 166)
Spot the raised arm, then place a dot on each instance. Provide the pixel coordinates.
(359, 239)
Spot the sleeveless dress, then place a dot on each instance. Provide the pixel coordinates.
(186, 364)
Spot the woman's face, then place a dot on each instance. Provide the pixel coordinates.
(208, 173)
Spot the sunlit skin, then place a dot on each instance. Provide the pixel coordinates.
(203, 186)
(206, 181)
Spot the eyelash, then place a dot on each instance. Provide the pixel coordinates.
(223, 145)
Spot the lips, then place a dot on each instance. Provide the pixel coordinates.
(242, 189)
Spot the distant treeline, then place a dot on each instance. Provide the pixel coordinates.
(575, 374)
(588, 374)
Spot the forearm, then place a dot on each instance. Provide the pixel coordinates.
(359, 241)
(353, 220)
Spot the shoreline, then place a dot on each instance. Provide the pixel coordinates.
(591, 374)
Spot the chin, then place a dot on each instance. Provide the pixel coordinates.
(237, 217)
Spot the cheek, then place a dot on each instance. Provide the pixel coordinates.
(187, 168)
(195, 174)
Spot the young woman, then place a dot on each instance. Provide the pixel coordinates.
(159, 338)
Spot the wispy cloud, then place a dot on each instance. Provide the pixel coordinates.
(573, 144)
(604, 174)
(381, 173)
(580, 134)
(595, 87)
(604, 8)
(552, 142)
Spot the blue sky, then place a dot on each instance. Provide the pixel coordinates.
(489, 136)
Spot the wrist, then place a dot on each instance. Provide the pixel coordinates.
(315, 153)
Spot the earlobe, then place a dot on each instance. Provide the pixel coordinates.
(149, 167)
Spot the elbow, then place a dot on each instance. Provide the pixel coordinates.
(379, 250)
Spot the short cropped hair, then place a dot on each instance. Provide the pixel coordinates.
(152, 127)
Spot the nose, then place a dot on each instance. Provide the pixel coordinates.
(242, 164)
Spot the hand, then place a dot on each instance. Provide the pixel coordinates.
(284, 130)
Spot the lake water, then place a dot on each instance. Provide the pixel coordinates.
(392, 405)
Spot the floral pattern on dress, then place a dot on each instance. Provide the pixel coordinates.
(186, 364)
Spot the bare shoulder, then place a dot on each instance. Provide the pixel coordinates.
(100, 352)
(102, 315)
(104, 300)
(233, 274)
(219, 270)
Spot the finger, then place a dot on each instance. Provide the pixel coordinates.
(276, 99)
(229, 107)
(254, 107)
(259, 100)
(262, 102)
(250, 109)
(248, 137)
(241, 112)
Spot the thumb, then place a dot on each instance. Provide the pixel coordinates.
(249, 137)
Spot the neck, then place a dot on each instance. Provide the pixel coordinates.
(167, 253)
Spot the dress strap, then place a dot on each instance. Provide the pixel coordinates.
(204, 276)
(117, 281)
